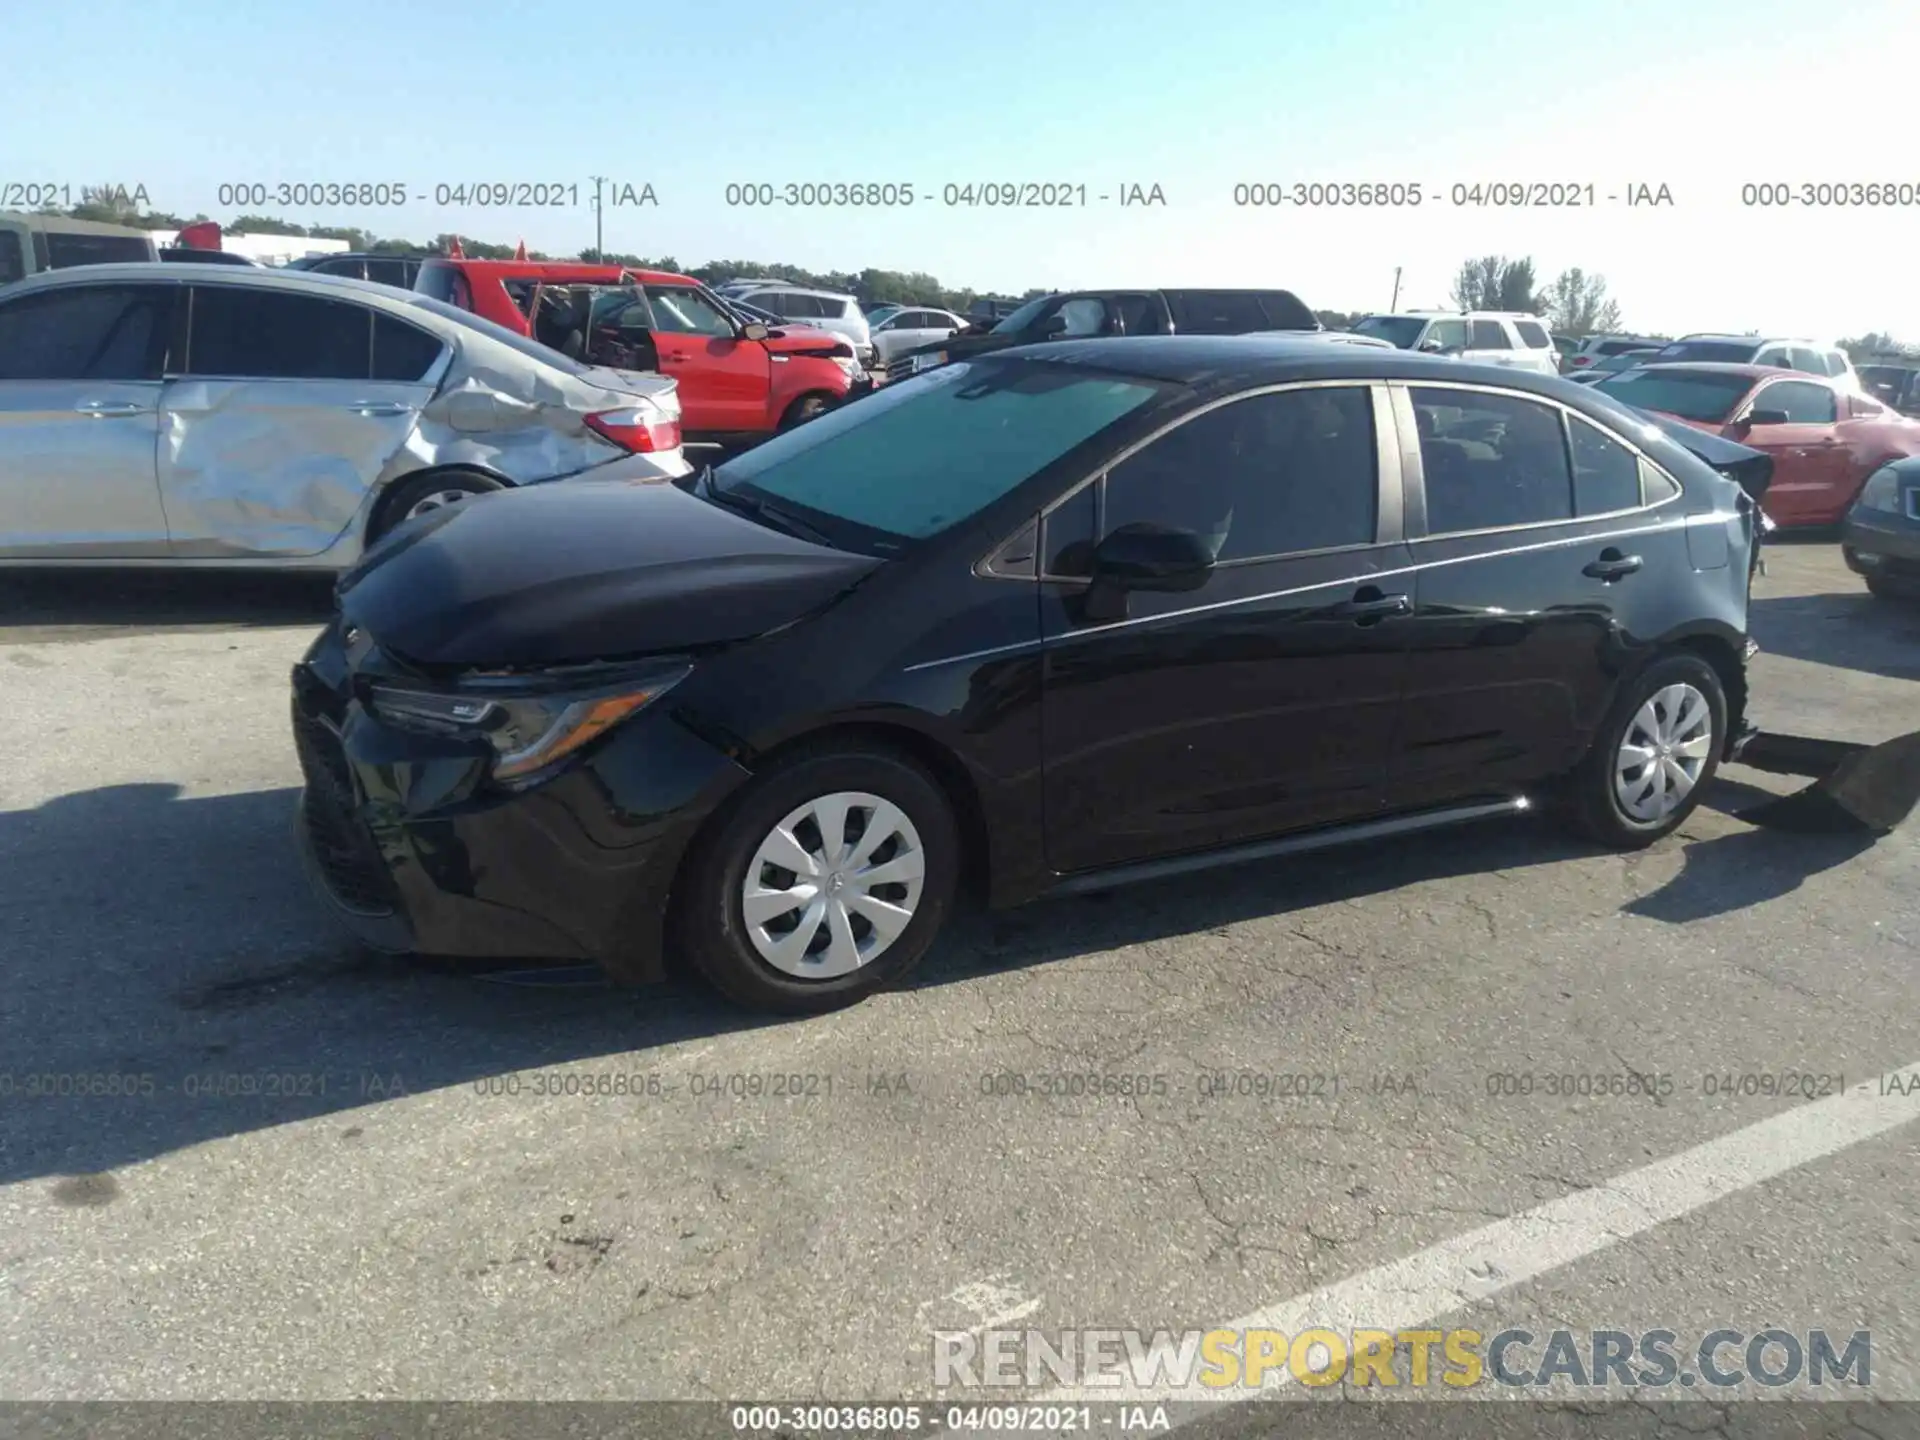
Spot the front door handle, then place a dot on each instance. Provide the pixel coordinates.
(1369, 605)
(1612, 565)
(104, 409)
(377, 408)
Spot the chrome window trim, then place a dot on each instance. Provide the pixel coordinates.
(1386, 463)
(1365, 577)
(1403, 406)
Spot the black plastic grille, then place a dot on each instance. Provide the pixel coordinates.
(344, 851)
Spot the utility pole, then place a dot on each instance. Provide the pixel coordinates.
(599, 231)
(1394, 304)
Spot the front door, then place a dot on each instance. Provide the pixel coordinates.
(1811, 465)
(285, 413)
(1540, 557)
(80, 370)
(1265, 701)
(725, 380)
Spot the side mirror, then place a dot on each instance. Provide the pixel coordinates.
(1765, 417)
(1433, 347)
(1147, 558)
(754, 330)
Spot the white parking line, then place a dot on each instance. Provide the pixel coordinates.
(1409, 1292)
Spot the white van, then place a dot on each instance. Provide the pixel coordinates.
(32, 243)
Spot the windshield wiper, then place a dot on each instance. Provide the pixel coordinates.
(772, 516)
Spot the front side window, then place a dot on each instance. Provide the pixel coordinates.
(1490, 461)
(85, 332)
(682, 310)
(1446, 335)
(1400, 331)
(925, 454)
(257, 334)
(1019, 318)
(1804, 404)
(1488, 335)
(1606, 475)
(1086, 315)
(1275, 474)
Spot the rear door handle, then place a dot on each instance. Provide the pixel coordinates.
(1612, 565)
(104, 409)
(1372, 605)
(377, 407)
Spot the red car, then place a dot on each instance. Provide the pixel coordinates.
(739, 381)
(1824, 438)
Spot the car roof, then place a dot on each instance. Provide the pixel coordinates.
(795, 289)
(580, 271)
(1757, 340)
(265, 277)
(1208, 361)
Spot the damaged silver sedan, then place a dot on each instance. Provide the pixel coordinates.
(215, 415)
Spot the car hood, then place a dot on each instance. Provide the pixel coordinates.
(598, 569)
(805, 340)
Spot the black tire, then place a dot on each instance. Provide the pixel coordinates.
(709, 919)
(401, 499)
(807, 407)
(1882, 588)
(1594, 806)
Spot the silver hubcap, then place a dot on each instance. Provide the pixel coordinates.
(436, 500)
(1667, 745)
(833, 886)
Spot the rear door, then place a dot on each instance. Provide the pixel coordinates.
(285, 411)
(1539, 561)
(725, 380)
(1265, 701)
(1537, 346)
(1488, 343)
(80, 369)
(1812, 471)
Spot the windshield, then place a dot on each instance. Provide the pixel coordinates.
(923, 455)
(1725, 352)
(1399, 331)
(532, 349)
(1024, 316)
(1690, 394)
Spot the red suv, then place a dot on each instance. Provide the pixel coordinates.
(739, 381)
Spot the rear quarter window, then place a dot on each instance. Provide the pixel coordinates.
(1534, 336)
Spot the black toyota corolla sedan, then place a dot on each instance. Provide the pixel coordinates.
(1053, 619)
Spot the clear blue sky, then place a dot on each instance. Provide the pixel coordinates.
(1700, 95)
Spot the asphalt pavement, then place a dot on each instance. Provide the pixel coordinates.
(319, 1174)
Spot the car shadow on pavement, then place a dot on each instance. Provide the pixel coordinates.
(141, 601)
(1749, 867)
(170, 980)
(1852, 631)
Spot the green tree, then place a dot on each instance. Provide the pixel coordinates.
(265, 225)
(1493, 282)
(1577, 304)
(1878, 344)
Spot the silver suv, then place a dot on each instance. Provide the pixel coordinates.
(820, 309)
(1484, 337)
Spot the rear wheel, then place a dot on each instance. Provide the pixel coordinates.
(424, 493)
(1888, 589)
(825, 882)
(1654, 755)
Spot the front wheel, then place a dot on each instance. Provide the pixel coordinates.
(807, 407)
(825, 882)
(1654, 755)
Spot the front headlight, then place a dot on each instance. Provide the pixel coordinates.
(529, 729)
(1882, 491)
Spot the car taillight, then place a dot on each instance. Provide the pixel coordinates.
(1580, 361)
(643, 432)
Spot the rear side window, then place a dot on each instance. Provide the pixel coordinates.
(1836, 363)
(1804, 404)
(1217, 312)
(1811, 361)
(85, 332)
(1533, 335)
(1274, 474)
(1606, 475)
(388, 272)
(1488, 335)
(262, 334)
(1490, 461)
(438, 280)
(402, 351)
(354, 269)
(65, 248)
(13, 258)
